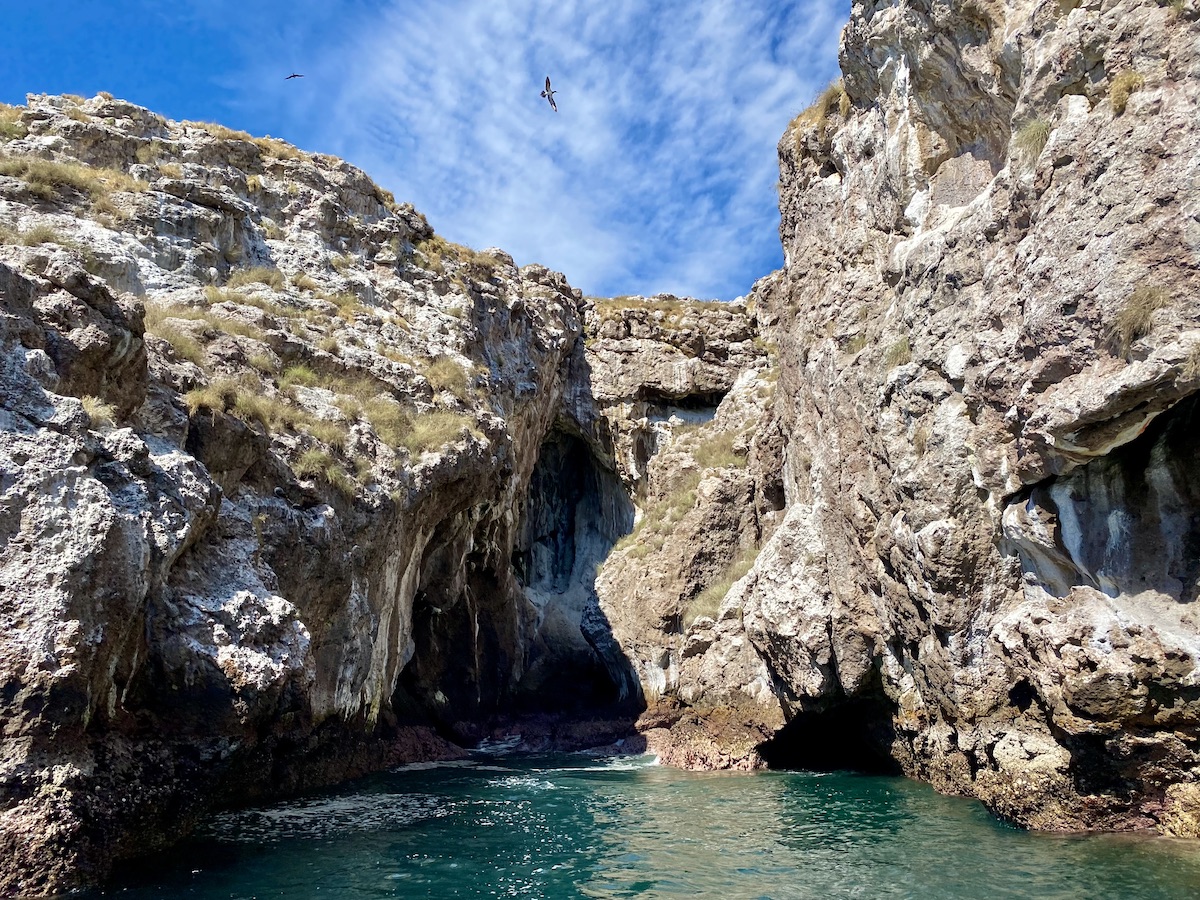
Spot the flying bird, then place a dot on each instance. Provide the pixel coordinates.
(549, 95)
(293, 75)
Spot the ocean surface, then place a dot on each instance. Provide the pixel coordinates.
(572, 826)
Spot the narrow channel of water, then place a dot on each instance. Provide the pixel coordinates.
(571, 826)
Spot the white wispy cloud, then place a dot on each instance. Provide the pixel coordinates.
(658, 171)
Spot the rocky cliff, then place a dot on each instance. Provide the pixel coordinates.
(292, 488)
(990, 352)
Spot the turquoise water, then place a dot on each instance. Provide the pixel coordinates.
(571, 826)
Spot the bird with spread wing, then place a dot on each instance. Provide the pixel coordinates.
(549, 95)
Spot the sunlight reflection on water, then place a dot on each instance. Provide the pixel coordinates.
(569, 826)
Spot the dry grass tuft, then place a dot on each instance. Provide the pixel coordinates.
(391, 423)
(401, 359)
(312, 462)
(920, 439)
(11, 126)
(159, 321)
(276, 149)
(214, 294)
(660, 517)
(446, 374)
(717, 452)
(99, 413)
(217, 396)
(1031, 138)
(667, 311)
(305, 282)
(386, 197)
(219, 131)
(341, 261)
(316, 463)
(148, 153)
(481, 266)
(816, 116)
(435, 429)
(247, 399)
(332, 434)
(1122, 86)
(264, 363)
(1135, 319)
(267, 275)
(856, 343)
(347, 302)
(436, 250)
(234, 326)
(299, 375)
(163, 321)
(1191, 366)
(898, 354)
(49, 179)
(708, 602)
(38, 234)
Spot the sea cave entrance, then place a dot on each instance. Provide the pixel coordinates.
(855, 735)
(575, 511)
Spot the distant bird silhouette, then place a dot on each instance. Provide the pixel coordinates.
(293, 75)
(549, 95)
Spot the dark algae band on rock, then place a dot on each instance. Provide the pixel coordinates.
(292, 489)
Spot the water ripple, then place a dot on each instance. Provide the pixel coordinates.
(569, 826)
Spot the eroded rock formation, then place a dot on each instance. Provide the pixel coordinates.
(990, 347)
(291, 488)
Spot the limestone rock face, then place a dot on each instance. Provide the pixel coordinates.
(265, 442)
(292, 488)
(684, 390)
(987, 394)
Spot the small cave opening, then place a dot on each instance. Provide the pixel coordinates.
(693, 409)
(661, 414)
(1021, 695)
(699, 401)
(855, 735)
(1129, 521)
(576, 510)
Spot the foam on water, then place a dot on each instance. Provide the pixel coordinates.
(436, 764)
(497, 747)
(324, 817)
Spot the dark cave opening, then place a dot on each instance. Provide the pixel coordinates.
(502, 633)
(575, 512)
(701, 401)
(1021, 695)
(854, 735)
(1127, 522)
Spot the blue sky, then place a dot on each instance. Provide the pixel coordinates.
(657, 174)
